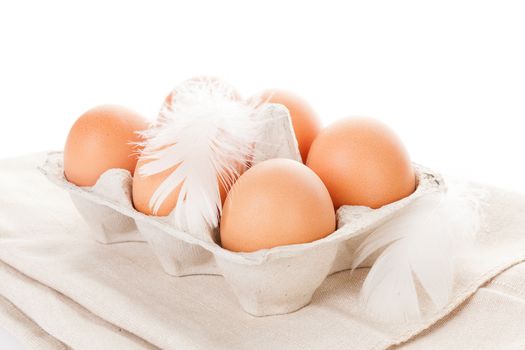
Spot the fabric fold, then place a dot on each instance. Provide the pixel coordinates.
(25, 330)
(89, 295)
(58, 317)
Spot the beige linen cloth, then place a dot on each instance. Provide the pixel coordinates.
(59, 289)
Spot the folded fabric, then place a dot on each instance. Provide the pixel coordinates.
(70, 291)
(24, 329)
(493, 318)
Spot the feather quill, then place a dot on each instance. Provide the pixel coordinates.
(420, 244)
(207, 133)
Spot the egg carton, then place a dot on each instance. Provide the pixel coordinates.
(266, 282)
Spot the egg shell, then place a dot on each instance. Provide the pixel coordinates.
(362, 162)
(266, 282)
(276, 202)
(102, 138)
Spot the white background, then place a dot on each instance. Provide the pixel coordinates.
(448, 76)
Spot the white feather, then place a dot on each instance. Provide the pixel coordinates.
(420, 243)
(207, 133)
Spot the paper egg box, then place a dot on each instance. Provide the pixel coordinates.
(266, 282)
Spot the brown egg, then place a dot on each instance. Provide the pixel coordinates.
(101, 139)
(145, 186)
(362, 162)
(276, 202)
(305, 121)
